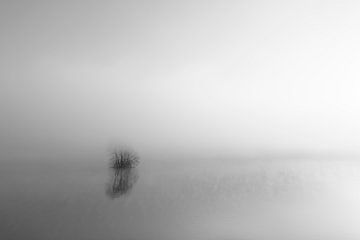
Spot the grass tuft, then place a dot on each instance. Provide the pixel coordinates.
(122, 159)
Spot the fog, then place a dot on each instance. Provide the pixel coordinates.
(173, 119)
(240, 77)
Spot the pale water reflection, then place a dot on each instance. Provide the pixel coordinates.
(177, 199)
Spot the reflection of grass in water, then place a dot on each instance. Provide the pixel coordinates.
(122, 182)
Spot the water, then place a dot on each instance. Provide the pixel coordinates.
(77, 196)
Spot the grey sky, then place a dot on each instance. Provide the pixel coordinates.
(234, 75)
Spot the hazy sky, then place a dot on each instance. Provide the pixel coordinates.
(230, 75)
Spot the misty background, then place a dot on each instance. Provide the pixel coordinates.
(234, 77)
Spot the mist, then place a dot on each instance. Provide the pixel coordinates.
(174, 119)
(235, 76)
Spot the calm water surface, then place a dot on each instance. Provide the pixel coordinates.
(79, 197)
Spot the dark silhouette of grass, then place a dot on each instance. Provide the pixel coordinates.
(122, 172)
(123, 159)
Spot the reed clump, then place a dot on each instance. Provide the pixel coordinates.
(123, 159)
